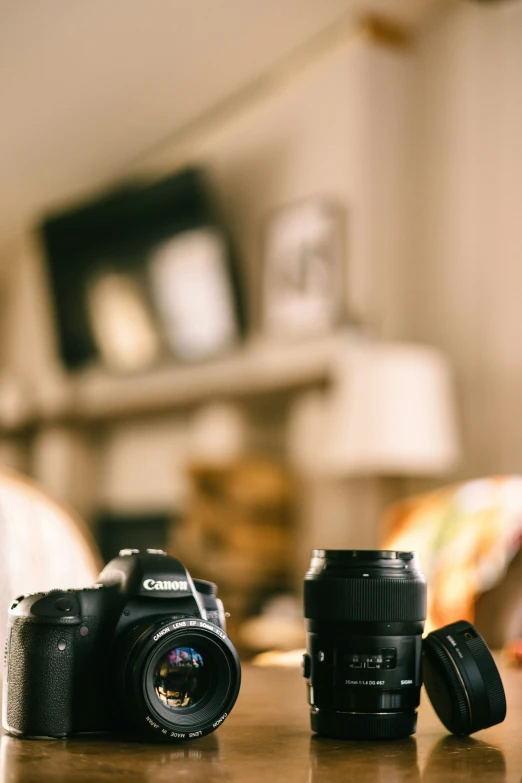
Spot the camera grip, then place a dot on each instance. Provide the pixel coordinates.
(38, 699)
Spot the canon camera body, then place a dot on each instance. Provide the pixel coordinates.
(144, 649)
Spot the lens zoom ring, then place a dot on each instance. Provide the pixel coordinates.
(360, 599)
(491, 678)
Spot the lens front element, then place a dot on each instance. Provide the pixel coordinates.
(181, 678)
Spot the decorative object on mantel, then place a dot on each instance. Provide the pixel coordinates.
(121, 320)
(142, 272)
(390, 412)
(304, 276)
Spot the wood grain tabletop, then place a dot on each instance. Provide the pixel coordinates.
(267, 739)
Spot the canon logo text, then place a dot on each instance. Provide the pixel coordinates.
(151, 584)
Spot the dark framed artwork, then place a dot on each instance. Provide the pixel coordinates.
(144, 274)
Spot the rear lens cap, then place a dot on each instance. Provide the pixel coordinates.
(462, 679)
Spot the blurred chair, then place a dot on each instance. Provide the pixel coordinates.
(43, 545)
(468, 537)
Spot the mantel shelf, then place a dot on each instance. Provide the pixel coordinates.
(258, 368)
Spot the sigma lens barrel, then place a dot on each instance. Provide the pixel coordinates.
(365, 613)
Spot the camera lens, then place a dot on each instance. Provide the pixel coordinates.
(365, 614)
(180, 677)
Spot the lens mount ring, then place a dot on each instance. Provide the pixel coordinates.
(363, 726)
(209, 712)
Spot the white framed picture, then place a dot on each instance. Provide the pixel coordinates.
(303, 269)
(192, 288)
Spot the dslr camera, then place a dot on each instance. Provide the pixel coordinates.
(144, 649)
(366, 659)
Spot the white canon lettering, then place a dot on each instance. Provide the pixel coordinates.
(151, 584)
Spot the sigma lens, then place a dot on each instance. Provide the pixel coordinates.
(365, 613)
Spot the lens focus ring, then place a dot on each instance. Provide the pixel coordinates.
(365, 599)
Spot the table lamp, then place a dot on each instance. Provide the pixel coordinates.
(390, 411)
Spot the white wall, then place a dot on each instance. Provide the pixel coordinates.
(465, 261)
(335, 128)
(452, 279)
(338, 129)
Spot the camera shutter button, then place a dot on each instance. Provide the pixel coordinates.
(64, 604)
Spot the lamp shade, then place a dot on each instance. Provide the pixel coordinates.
(391, 411)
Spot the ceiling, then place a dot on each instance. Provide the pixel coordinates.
(88, 85)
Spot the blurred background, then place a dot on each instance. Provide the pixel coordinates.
(260, 271)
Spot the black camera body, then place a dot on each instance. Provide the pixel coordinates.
(145, 648)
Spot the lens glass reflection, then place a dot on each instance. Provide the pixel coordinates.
(181, 678)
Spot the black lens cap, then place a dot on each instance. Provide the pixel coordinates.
(462, 680)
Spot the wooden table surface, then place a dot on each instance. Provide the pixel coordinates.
(267, 738)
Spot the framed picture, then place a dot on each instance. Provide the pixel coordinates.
(143, 275)
(303, 269)
(191, 284)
